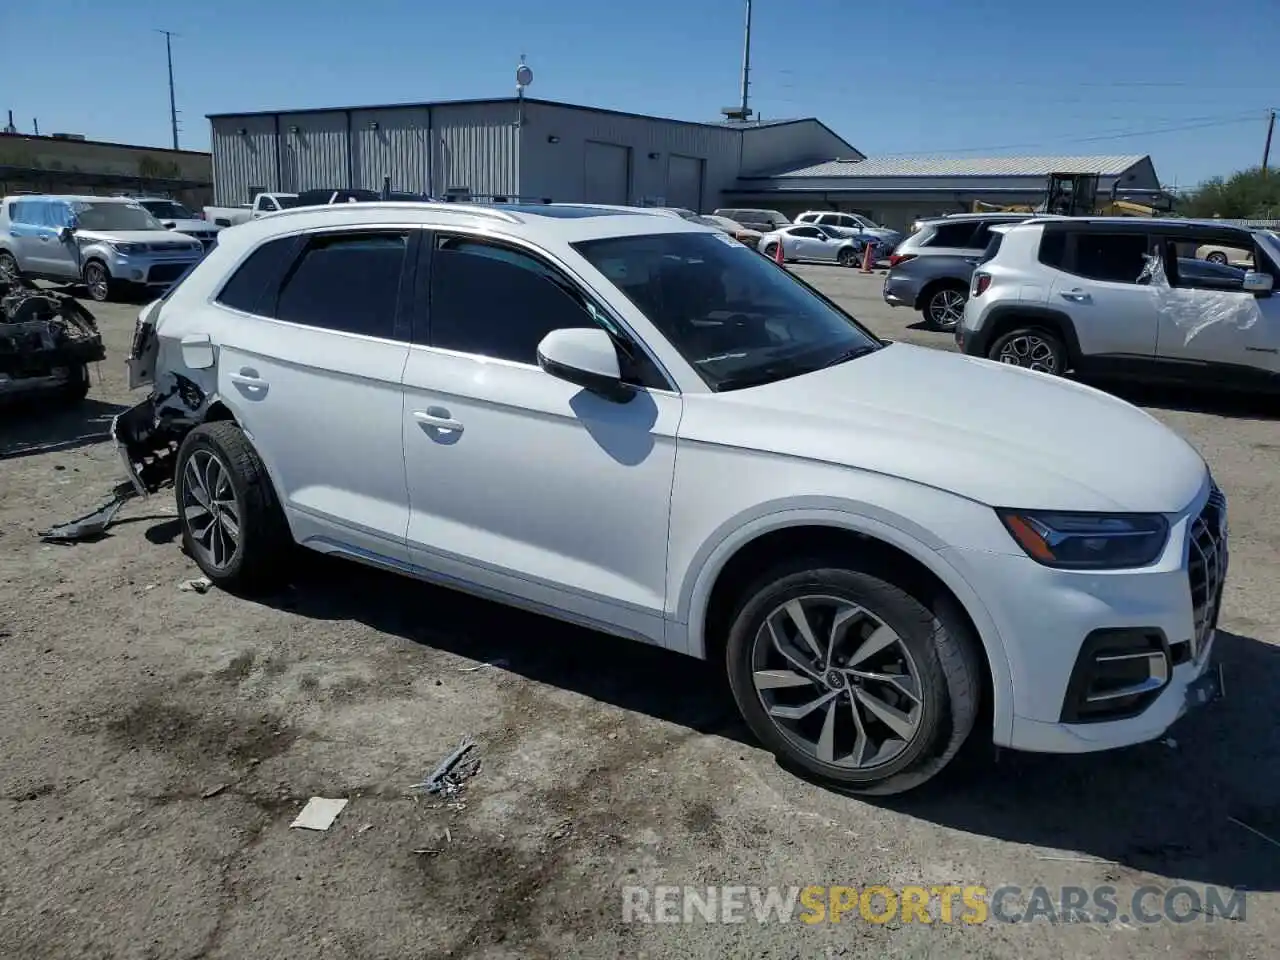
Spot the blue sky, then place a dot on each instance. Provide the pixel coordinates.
(1185, 81)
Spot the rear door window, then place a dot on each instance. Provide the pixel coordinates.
(347, 283)
(951, 235)
(1112, 257)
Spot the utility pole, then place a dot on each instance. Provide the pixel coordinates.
(746, 66)
(173, 103)
(1266, 150)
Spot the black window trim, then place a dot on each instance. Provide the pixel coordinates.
(405, 301)
(420, 333)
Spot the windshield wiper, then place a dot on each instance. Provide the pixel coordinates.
(851, 354)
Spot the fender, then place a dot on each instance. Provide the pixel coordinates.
(1005, 315)
(899, 532)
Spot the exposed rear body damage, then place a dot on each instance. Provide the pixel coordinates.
(46, 338)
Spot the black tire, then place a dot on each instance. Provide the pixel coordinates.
(847, 258)
(944, 651)
(9, 267)
(941, 301)
(97, 280)
(771, 251)
(77, 386)
(1042, 350)
(264, 540)
(1217, 256)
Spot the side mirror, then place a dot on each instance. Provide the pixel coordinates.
(65, 234)
(585, 357)
(1258, 283)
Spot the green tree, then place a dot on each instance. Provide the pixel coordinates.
(1246, 194)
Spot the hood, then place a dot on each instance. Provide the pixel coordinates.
(131, 236)
(994, 433)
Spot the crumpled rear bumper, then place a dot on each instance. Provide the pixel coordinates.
(147, 453)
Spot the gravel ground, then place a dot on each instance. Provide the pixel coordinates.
(158, 742)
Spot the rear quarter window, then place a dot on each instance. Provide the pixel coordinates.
(1053, 248)
(951, 235)
(992, 248)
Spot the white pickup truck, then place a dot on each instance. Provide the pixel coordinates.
(263, 204)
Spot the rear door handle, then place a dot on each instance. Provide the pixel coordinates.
(242, 381)
(1076, 296)
(437, 418)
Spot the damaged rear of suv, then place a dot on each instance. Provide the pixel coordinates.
(47, 341)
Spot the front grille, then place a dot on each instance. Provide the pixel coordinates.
(165, 272)
(1207, 567)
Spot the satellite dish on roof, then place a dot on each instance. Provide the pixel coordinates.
(524, 75)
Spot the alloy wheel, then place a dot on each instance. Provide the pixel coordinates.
(8, 268)
(946, 308)
(837, 682)
(210, 509)
(1217, 257)
(1030, 351)
(95, 278)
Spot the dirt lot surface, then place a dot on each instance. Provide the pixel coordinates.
(158, 742)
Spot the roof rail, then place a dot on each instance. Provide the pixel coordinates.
(441, 206)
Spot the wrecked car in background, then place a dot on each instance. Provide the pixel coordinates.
(47, 341)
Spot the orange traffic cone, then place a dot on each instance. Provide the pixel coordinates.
(866, 258)
(778, 257)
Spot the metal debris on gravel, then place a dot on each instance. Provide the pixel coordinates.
(449, 778)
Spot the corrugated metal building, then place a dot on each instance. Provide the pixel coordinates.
(895, 191)
(529, 148)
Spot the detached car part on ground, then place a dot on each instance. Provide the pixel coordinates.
(47, 341)
(879, 569)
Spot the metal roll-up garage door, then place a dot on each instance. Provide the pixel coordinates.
(607, 171)
(684, 182)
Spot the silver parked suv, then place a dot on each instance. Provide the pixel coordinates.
(106, 242)
(1126, 296)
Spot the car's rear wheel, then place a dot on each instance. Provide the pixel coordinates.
(945, 307)
(847, 258)
(852, 678)
(97, 281)
(1032, 348)
(9, 268)
(1217, 256)
(232, 524)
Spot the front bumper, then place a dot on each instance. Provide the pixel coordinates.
(1045, 616)
(150, 271)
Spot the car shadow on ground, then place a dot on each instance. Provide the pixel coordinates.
(630, 675)
(1237, 405)
(1201, 804)
(40, 424)
(1187, 806)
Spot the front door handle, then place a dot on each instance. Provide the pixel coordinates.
(1076, 296)
(240, 380)
(437, 418)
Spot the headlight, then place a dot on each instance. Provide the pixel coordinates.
(1088, 541)
(127, 247)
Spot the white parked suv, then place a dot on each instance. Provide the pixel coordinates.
(633, 422)
(1127, 296)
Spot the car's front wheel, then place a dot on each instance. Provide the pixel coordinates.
(97, 281)
(847, 258)
(851, 677)
(1218, 257)
(232, 524)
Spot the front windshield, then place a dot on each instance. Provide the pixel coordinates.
(736, 317)
(168, 210)
(113, 216)
(869, 224)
